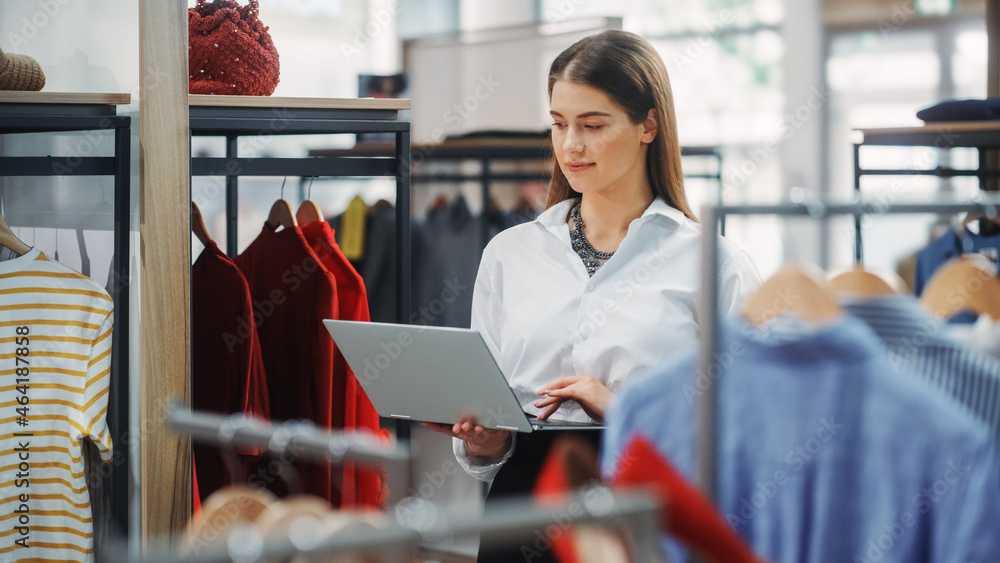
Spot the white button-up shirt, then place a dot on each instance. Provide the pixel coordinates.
(543, 318)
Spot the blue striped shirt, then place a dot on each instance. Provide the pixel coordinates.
(824, 453)
(918, 343)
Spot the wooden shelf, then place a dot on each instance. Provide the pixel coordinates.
(17, 97)
(453, 148)
(945, 134)
(279, 102)
(938, 127)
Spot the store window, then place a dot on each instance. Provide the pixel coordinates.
(881, 77)
(714, 49)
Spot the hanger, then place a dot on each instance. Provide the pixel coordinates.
(281, 212)
(277, 519)
(859, 281)
(976, 217)
(198, 225)
(989, 223)
(308, 210)
(968, 282)
(228, 506)
(8, 239)
(815, 298)
(988, 226)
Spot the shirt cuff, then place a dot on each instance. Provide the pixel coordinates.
(481, 467)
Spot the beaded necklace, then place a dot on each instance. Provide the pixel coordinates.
(592, 258)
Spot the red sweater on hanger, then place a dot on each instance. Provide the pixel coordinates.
(292, 293)
(686, 513)
(361, 487)
(227, 367)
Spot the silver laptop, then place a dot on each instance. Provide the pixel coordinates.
(434, 374)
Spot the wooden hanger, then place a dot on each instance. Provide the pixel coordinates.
(198, 225)
(977, 216)
(988, 225)
(795, 289)
(229, 505)
(278, 518)
(308, 212)
(8, 239)
(968, 282)
(281, 215)
(859, 281)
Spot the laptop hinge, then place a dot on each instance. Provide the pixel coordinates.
(402, 416)
(511, 428)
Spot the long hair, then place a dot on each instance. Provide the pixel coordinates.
(628, 69)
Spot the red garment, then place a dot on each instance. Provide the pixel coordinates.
(292, 293)
(361, 486)
(196, 496)
(227, 368)
(570, 463)
(687, 514)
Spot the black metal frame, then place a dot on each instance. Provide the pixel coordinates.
(235, 122)
(17, 118)
(485, 154)
(943, 139)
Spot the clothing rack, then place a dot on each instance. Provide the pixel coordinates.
(57, 112)
(233, 117)
(984, 136)
(489, 150)
(422, 526)
(709, 308)
(302, 438)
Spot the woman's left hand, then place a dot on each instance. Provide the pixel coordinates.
(586, 390)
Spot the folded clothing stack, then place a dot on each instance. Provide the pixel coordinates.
(962, 110)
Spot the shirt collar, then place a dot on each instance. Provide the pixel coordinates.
(895, 317)
(22, 262)
(556, 215)
(792, 338)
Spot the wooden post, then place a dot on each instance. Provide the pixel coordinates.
(993, 47)
(165, 261)
(991, 158)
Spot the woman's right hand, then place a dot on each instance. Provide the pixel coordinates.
(479, 440)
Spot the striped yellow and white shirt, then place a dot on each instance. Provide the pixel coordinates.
(55, 369)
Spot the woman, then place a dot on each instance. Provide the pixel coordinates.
(605, 283)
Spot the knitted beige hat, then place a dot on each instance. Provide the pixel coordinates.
(20, 72)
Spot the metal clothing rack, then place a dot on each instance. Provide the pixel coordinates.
(421, 526)
(51, 112)
(487, 150)
(233, 117)
(980, 135)
(707, 410)
(303, 438)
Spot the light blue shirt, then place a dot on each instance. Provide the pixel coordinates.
(918, 344)
(825, 453)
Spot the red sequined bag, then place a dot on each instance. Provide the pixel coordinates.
(229, 50)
